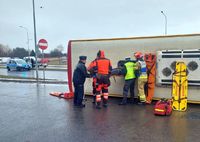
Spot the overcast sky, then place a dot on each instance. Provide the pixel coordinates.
(61, 20)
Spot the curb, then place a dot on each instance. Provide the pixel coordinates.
(53, 67)
(46, 69)
(33, 81)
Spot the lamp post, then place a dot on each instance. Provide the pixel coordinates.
(27, 38)
(35, 39)
(165, 22)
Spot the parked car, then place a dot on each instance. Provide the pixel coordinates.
(41, 62)
(18, 64)
(4, 60)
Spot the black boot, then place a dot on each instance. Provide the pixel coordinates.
(94, 100)
(140, 102)
(105, 103)
(123, 102)
(132, 101)
(98, 105)
(80, 105)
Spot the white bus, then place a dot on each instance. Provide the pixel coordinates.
(118, 48)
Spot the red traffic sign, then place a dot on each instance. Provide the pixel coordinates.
(42, 44)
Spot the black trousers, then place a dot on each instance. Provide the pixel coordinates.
(78, 94)
(129, 84)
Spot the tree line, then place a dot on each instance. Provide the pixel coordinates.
(20, 52)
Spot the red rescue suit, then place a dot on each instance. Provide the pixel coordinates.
(103, 68)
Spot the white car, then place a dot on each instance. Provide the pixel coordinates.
(31, 60)
(4, 60)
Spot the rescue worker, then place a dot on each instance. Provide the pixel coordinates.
(102, 66)
(129, 74)
(142, 77)
(79, 76)
(93, 73)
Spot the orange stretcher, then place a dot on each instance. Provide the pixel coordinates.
(62, 95)
(150, 60)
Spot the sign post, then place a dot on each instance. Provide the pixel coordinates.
(43, 45)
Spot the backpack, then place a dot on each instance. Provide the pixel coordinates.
(163, 107)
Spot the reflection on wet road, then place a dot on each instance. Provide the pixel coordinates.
(58, 75)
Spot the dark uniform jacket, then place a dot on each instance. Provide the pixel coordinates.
(80, 74)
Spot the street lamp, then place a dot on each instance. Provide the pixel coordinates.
(165, 22)
(27, 39)
(35, 39)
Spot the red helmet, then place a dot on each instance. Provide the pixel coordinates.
(101, 54)
(138, 55)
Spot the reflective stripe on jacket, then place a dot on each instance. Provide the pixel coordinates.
(143, 69)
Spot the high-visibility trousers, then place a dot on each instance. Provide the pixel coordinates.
(141, 94)
(102, 85)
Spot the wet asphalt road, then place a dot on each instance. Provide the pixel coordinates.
(31, 115)
(58, 75)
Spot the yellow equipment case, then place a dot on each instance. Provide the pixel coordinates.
(180, 87)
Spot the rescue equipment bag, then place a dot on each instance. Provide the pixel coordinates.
(163, 107)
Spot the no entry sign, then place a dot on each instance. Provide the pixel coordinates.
(42, 44)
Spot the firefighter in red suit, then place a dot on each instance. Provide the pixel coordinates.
(102, 66)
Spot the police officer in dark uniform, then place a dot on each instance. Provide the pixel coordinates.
(79, 76)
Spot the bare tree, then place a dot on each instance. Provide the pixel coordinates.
(60, 48)
(19, 52)
(55, 53)
(5, 50)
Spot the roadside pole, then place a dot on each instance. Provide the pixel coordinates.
(43, 65)
(35, 39)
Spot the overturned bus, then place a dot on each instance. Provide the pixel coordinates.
(168, 49)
